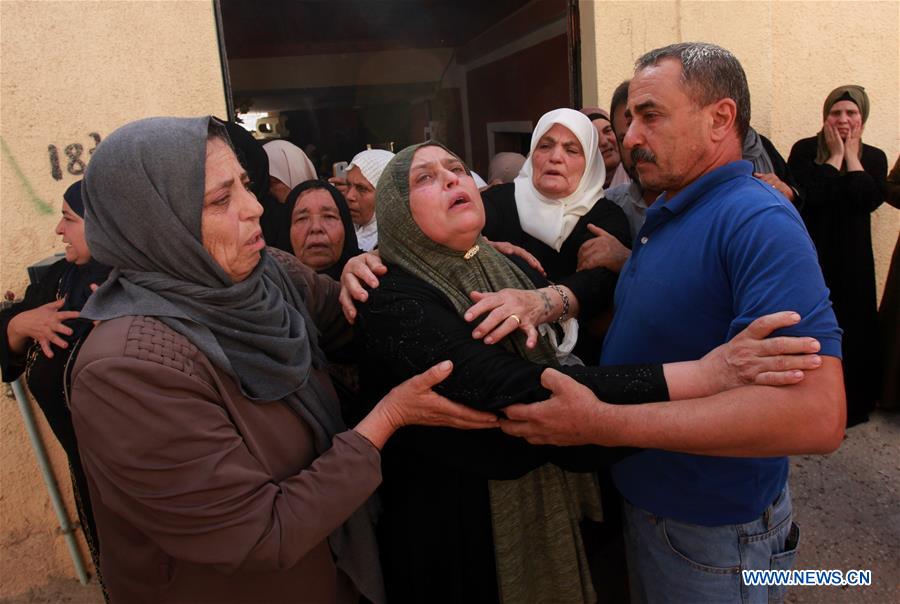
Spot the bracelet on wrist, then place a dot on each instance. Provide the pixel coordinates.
(565, 302)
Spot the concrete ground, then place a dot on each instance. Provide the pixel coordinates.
(847, 505)
(848, 508)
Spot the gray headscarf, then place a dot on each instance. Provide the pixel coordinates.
(143, 195)
(755, 153)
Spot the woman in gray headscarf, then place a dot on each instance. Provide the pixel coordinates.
(213, 442)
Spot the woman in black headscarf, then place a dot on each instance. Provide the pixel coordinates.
(844, 181)
(212, 438)
(322, 233)
(324, 239)
(41, 336)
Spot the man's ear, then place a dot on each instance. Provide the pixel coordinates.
(723, 114)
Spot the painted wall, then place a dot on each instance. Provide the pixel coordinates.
(72, 72)
(794, 54)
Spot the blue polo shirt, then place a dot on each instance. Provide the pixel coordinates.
(722, 252)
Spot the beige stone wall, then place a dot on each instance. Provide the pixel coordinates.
(68, 69)
(794, 54)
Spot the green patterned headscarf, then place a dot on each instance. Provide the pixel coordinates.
(856, 95)
(537, 541)
(402, 242)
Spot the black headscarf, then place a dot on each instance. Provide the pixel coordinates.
(73, 198)
(75, 282)
(143, 193)
(351, 245)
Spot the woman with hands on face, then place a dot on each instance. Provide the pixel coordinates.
(41, 336)
(844, 181)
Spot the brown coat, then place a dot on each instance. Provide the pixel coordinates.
(200, 494)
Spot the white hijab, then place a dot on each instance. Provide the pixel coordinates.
(552, 220)
(288, 163)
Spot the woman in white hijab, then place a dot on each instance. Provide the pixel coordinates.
(547, 210)
(288, 167)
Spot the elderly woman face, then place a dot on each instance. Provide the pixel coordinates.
(71, 229)
(844, 116)
(317, 233)
(558, 163)
(444, 199)
(230, 229)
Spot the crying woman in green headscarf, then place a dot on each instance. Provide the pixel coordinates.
(482, 517)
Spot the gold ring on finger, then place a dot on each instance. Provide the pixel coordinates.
(516, 318)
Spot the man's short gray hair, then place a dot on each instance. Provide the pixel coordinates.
(709, 73)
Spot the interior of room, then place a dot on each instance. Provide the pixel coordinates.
(336, 77)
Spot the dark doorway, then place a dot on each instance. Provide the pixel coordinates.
(336, 76)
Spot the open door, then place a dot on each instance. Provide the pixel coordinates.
(337, 77)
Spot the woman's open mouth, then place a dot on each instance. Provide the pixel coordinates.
(460, 201)
(257, 240)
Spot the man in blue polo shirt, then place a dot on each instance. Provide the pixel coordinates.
(708, 497)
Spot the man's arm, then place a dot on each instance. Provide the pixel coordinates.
(753, 421)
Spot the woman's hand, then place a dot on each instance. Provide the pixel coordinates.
(415, 403)
(43, 324)
(851, 149)
(603, 250)
(508, 249)
(835, 145)
(750, 357)
(358, 270)
(509, 310)
(776, 183)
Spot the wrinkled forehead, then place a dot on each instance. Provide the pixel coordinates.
(356, 177)
(315, 199)
(221, 165)
(844, 106)
(431, 153)
(562, 134)
(663, 79)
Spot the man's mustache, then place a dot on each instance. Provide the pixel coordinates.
(641, 154)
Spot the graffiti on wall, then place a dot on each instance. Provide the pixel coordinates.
(73, 159)
(42, 206)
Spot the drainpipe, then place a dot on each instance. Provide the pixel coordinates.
(40, 452)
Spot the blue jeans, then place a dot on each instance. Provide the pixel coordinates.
(673, 562)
